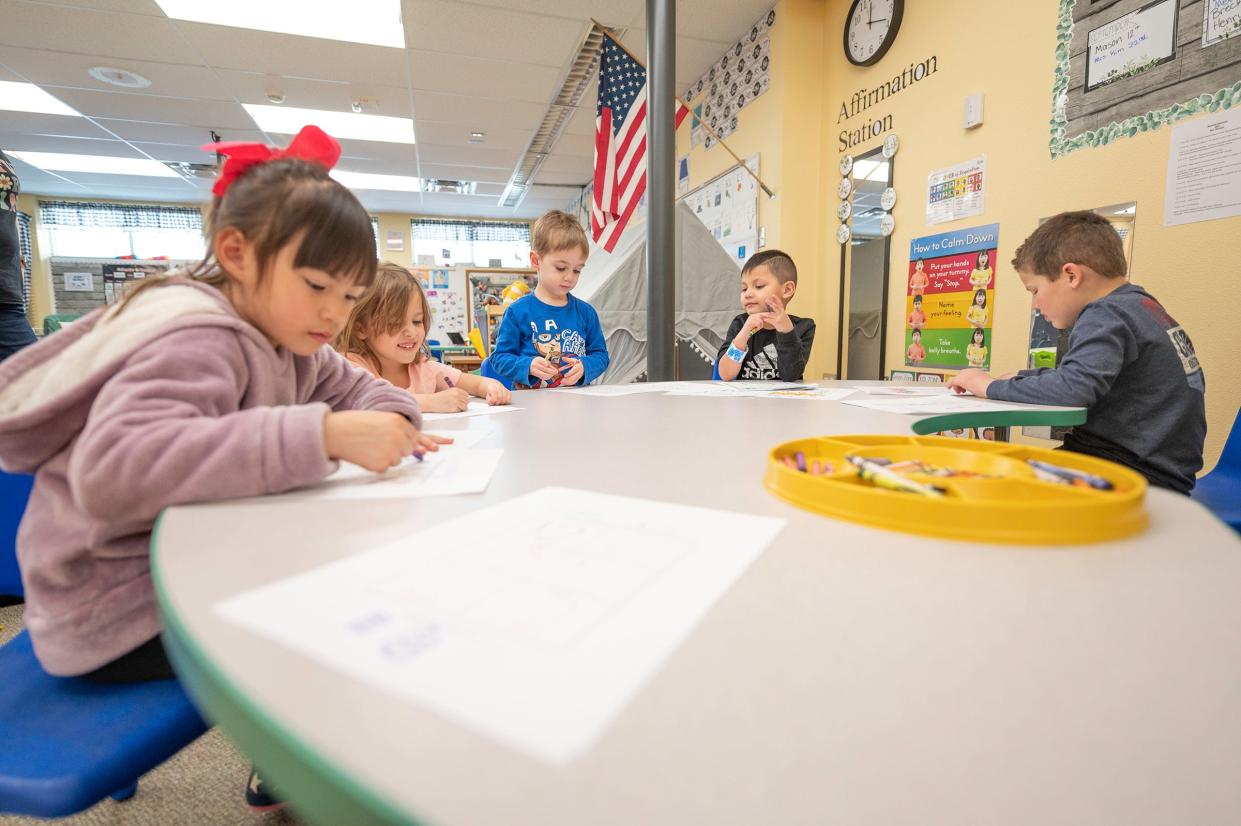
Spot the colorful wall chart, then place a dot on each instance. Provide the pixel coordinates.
(949, 298)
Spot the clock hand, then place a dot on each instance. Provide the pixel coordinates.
(884, 20)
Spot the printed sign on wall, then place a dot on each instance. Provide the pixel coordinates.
(950, 297)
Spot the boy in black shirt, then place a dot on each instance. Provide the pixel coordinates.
(765, 342)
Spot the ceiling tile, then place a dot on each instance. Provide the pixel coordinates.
(465, 173)
(406, 167)
(147, 7)
(378, 151)
(153, 132)
(139, 37)
(476, 112)
(20, 142)
(292, 56)
(305, 93)
(478, 31)
(483, 77)
(577, 164)
(35, 124)
(574, 178)
(60, 69)
(122, 105)
(723, 20)
(582, 123)
(457, 134)
(694, 56)
(175, 152)
(469, 155)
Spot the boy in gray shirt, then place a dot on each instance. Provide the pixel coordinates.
(1128, 361)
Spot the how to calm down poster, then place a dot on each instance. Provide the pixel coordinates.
(950, 297)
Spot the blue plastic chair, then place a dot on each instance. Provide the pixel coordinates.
(715, 371)
(488, 372)
(69, 743)
(1220, 490)
(14, 493)
(437, 349)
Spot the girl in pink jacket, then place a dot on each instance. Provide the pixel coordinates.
(220, 383)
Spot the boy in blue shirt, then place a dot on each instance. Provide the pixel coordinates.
(1129, 363)
(550, 338)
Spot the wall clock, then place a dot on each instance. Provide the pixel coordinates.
(870, 28)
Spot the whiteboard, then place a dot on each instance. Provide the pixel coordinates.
(727, 205)
(1131, 44)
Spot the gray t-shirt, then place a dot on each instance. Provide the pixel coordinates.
(1134, 369)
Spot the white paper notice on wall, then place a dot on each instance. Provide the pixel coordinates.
(537, 640)
(1204, 170)
(395, 240)
(79, 282)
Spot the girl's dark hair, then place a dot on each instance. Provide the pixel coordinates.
(983, 293)
(978, 331)
(382, 309)
(282, 202)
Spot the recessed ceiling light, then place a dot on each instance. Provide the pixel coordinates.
(119, 77)
(287, 120)
(96, 163)
(26, 97)
(369, 180)
(376, 22)
(476, 134)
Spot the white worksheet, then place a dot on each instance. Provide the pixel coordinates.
(821, 394)
(461, 438)
(476, 407)
(903, 390)
(532, 622)
(733, 389)
(927, 405)
(610, 390)
(450, 471)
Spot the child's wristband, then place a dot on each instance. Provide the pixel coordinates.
(735, 353)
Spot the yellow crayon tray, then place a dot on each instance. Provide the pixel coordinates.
(1011, 504)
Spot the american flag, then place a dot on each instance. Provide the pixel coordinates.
(620, 143)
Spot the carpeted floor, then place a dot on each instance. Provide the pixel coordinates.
(201, 786)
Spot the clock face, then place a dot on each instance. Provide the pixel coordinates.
(844, 188)
(870, 29)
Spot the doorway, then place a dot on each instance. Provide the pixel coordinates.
(864, 292)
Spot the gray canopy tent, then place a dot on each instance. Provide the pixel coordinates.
(706, 298)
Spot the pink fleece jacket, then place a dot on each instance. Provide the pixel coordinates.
(175, 400)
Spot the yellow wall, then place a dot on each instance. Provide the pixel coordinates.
(1191, 269)
(781, 126)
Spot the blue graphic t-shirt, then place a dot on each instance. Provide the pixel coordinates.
(532, 328)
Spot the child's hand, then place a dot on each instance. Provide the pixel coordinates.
(426, 443)
(751, 326)
(778, 317)
(972, 380)
(371, 438)
(543, 369)
(575, 372)
(496, 392)
(452, 400)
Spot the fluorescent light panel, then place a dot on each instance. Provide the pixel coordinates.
(26, 97)
(287, 120)
(375, 22)
(369, 180)
(96, 163)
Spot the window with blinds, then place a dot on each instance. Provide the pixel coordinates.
(97, 230)
(27, 253)
(452, 241)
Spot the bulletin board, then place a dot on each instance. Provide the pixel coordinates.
(727, 205)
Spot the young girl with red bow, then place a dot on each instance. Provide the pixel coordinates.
(214, 384)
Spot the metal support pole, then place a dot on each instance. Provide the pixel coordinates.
(661, 263)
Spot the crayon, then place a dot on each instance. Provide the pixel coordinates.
(879, 476)
(801, 461)
(1068, 476)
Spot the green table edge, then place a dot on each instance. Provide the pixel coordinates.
(315, 789)
(1007, 418)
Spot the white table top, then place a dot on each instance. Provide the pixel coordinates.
(851, 675)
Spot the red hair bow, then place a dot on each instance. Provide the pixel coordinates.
(311, 144)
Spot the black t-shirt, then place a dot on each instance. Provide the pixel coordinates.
(773, 355)
(10, 246)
